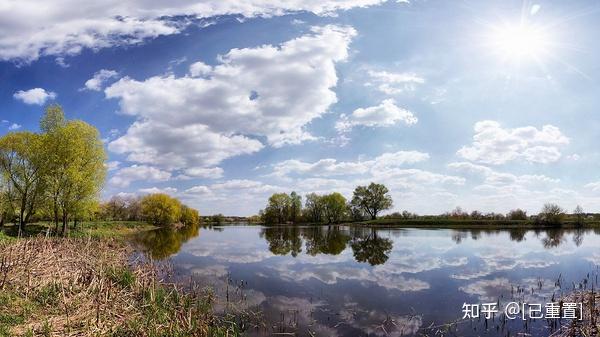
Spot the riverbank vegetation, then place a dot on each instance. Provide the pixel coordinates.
(368, 202)
(88, 287)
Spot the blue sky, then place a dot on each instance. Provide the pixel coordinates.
(485, 105)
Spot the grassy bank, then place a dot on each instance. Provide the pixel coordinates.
(94, 229)
(91, 287)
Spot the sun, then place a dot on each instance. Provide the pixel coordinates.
(519, 42)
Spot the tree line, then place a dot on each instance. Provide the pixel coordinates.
(367, 202)
(57, 174)
(158, 209)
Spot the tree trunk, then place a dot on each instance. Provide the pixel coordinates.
(65, 228)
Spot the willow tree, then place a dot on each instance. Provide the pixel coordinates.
(22, 164)
(79, 171)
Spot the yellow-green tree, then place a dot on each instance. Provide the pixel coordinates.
(334, 207)
(189, 216)
(83, 169)
(161, 209)
(22, 165)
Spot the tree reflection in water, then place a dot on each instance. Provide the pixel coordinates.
(366, 245)
(371, 248)
(283, 240)
(164, 242)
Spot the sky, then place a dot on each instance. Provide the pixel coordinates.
(487, 105)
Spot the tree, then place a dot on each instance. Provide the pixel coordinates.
(579, 215)
(334, 207)
(278, 208)
(517, 214)
(160, 209)
(313, 208)
(53, 119)
(79, 173)
(189, 216)
(295, 207)
(372, 199)
(552, 214)
(22, 164)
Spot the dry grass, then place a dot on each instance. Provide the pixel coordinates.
(92, 287)
(589, 325)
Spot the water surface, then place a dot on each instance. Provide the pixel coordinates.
(353, 281)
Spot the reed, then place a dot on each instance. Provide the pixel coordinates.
(96, 287)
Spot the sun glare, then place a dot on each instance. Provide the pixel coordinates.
(519, 42)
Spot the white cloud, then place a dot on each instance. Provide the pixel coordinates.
(384, 114)
(125, 176)
(203, 172)
(30, 29)
(112, 165)
(14, 126)
(270, 91)
(200, 69)
(493, 177)
(153, 190)
(37, 96)
(100, 77)
(331, 167)
(594, 186)
(495, 145)
(395, 83)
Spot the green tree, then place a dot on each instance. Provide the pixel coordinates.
(372, 199)
(23, 167)
(53, 118)
(77, 171)
(161, 209)
(295, 207)
(278, 208)
(313, 208)
(334, 207)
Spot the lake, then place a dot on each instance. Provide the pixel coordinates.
(356, 281)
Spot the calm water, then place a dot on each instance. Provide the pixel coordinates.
(347, 281)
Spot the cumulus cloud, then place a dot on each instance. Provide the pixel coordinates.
(385, 114)
(395, 83)
(37, 96)
(125, 176)
(30, 29)
(495, 145)
(100, 77)
(269, 91)
(14, 126)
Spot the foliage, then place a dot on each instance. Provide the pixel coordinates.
(517, 214)
(282, 208)
(372, 199)
(189, 216)
(313, 208)
(334, 207)
(160, 209)
(59, 171)
(552, 214)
